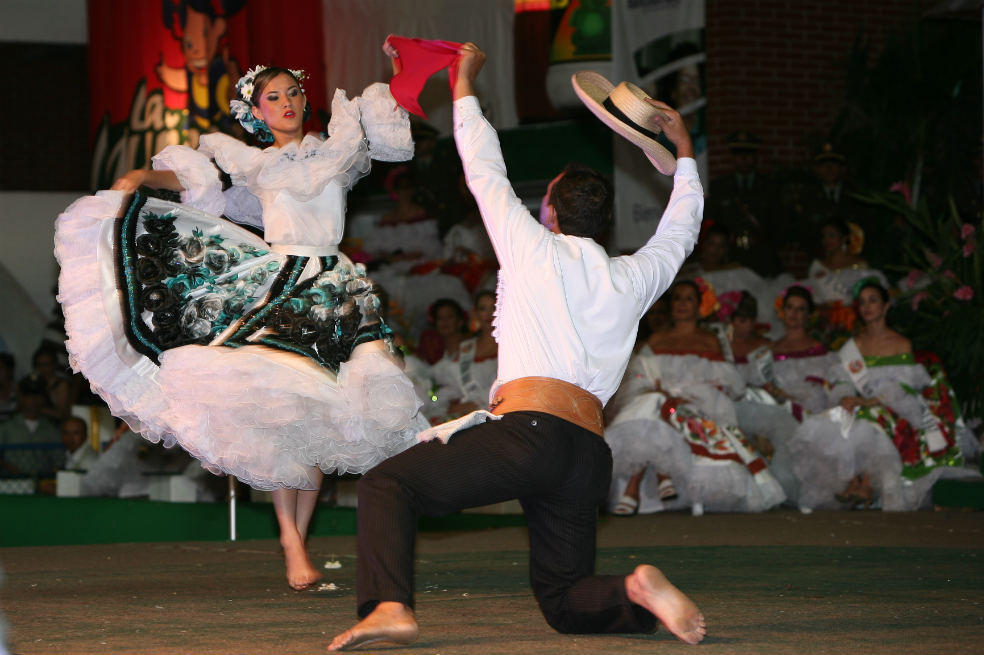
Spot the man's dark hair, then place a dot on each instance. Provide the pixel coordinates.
(582, 198)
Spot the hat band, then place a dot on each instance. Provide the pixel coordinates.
(617, 113)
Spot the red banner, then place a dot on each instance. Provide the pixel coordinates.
(162, 72)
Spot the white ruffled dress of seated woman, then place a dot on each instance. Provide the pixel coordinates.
(895, 428)
(786, 382)
(833, 275)
(675, 420)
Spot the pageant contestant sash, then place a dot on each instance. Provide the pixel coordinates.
(761, 360)
(853, 362)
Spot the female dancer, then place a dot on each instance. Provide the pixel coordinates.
(676, 420)
(264, 358)
(895, 429)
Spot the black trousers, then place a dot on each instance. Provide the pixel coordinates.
(559, 472)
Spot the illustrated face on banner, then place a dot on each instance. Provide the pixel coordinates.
(208, 76)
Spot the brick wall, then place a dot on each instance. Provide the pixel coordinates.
(777, 68)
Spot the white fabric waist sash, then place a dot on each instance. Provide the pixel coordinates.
(304, 251)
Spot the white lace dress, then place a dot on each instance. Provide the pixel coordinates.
(259, 356)
(801, 375)
(689, 431)
(464, 378)
(832, 285)
(896, 443)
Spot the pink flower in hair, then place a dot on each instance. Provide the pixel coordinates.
(918, 298)
(966, 230)
(964, 293)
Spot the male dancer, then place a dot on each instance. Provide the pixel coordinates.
(566, 322)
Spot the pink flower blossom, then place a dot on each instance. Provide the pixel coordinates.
(903, 188)
(968, 248)
(948, 273)
(913, 277)
(934, 260)
(918, 298)
(966, 230)
(964, 293)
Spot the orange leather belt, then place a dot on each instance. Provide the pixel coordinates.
(550, 396)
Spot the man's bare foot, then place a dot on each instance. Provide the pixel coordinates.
(301, 574)
(390, 621)
(647, 586)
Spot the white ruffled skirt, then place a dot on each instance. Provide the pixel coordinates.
(641, 440)
(270, 417)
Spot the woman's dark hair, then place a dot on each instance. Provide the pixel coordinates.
(582, 198)
(747, 307)
(8, 362)
(445, 302)
(838, 224)
(481, 294)
(686, 283)
(872, 284)
(800, 292)
(263, 78)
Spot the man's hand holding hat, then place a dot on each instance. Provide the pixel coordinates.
(668, 120)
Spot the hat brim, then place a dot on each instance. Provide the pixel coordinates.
(593, 89)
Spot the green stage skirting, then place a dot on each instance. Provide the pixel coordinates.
(51, 521)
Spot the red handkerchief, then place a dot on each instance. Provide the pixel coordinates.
(418, 60)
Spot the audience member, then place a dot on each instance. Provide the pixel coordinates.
(840, 266)
(465, 377)
(58, 387)
(447, 329)
(744, 201)
(79, 453)
(677, 421)
(8, 390)
(27, 437)
(892, 432)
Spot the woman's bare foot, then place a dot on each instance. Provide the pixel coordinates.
(647, 586)
(301, 574)
(390, 621)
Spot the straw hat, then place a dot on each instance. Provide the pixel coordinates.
(624, 109)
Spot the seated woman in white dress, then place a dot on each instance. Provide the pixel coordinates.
(833, 275)
(785, 383)
(405, 253)
(465, 377)
(407, 232)
(895, 429)
(677, 420)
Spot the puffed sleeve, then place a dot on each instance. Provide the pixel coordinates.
(239, 160)
(387, 125)
(202, 188)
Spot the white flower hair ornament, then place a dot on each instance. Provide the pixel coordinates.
(243, 105)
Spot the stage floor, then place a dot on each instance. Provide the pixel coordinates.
(779, 582)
